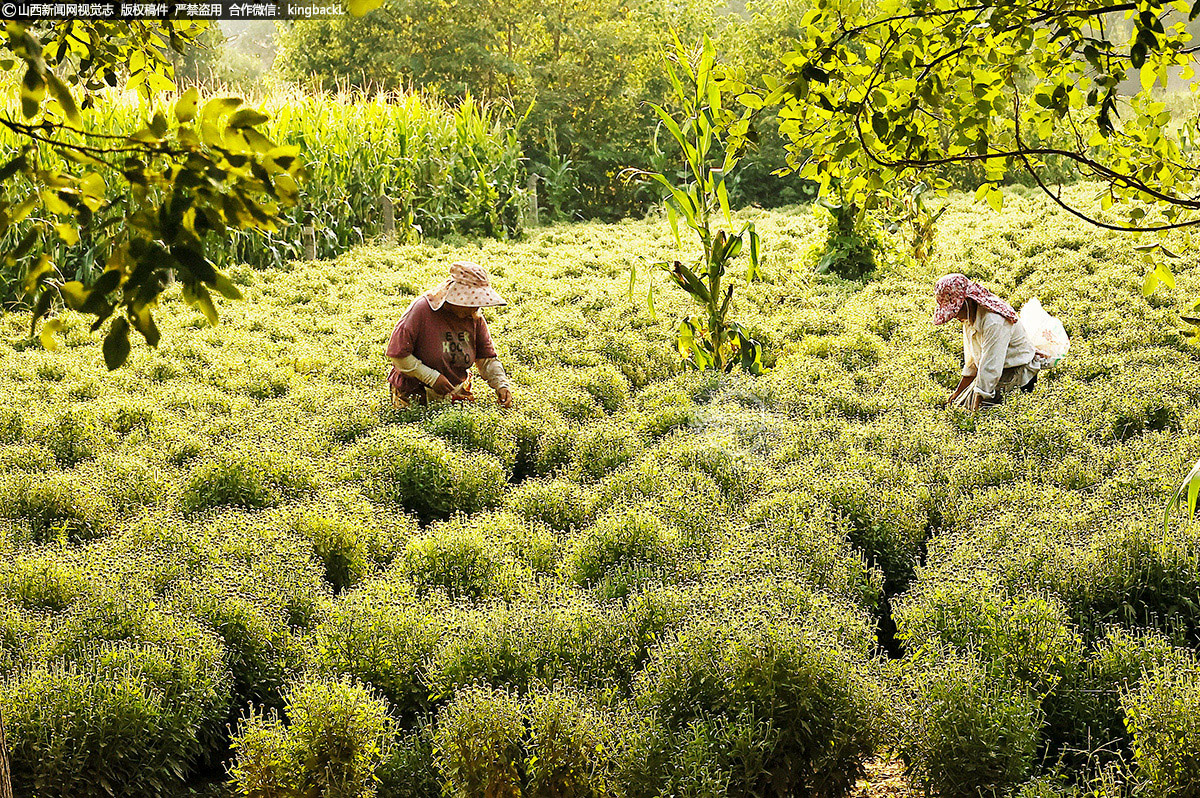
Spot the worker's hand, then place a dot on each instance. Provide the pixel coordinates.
(504, 396)
(443, 385)
(973, 402)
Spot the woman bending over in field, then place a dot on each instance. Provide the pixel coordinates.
(438, 338)
(998, 354)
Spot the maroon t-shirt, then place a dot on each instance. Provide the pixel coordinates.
(440, 340)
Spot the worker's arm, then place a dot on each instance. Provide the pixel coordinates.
(410, 366)
(495, 376)
(493, 372)
(962, 386)
(995, 334)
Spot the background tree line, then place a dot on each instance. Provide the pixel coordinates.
(576, 77)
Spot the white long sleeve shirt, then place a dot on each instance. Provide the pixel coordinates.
(991, 344)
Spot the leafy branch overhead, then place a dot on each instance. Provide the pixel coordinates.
(192, 170)
(710, 340)
(874, 92)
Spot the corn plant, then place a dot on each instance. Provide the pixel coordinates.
(708, 340)
(448, 169)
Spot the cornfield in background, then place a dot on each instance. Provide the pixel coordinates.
(447, 169)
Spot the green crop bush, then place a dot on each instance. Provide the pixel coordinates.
(602, 449)
(56, 507)
(348, 420)
(721, 460)
(381, 633)
(560, 504)
(478, 744)
(1138, 580)
(75, 436)
(261, 652)
(1163, 715)
(553, 635)
(129, 484)
(783, 541)
(555, 451)
(340, 545)
(475, 429)
(527, 434)
(622, 550)
(606, 385)
(121, 720)
(337, 736)
(570, 748)
(250, 480)
(42, 583)
(809, 706)
(273, 566)
(662, 421)
(12, 426)
(883, 519)
(459, 560)
(411, 771)
(29, 457)
(18, 630)
(965, 732)
(1029, 640)
(125, 417)
(424, 476)
(1084, 717)
(686, 498)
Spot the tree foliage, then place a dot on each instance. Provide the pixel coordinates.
(579, 74)
(875, 92)
(195, 170)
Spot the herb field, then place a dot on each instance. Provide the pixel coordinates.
(230, 566)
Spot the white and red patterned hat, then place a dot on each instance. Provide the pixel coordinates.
(468, 286)
(953, 289)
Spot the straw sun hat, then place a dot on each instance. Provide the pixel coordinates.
(468, 286)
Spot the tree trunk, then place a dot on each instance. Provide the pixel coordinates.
(5, 771)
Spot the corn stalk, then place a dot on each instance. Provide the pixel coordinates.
(708, 340)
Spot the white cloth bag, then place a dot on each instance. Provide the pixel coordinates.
(1046, 332)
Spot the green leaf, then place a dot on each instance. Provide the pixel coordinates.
(116, 343)
(676, 132)
(879, 125)
(61, 93)
(48, 341)
(74, 294)
(187, 105)
(210, 115)
(1150, 283)
(1193, 476)
(995, 199)
(1164, 275)
(247, 117)
(199, 297)
(33, 91)
(723, 198)
(225, 286)
(673, 219)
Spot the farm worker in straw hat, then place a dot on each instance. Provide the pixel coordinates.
(441, 335)
(998, 354)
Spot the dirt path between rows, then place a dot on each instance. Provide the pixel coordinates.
(884, 779)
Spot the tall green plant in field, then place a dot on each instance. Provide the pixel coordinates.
(708, 340)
